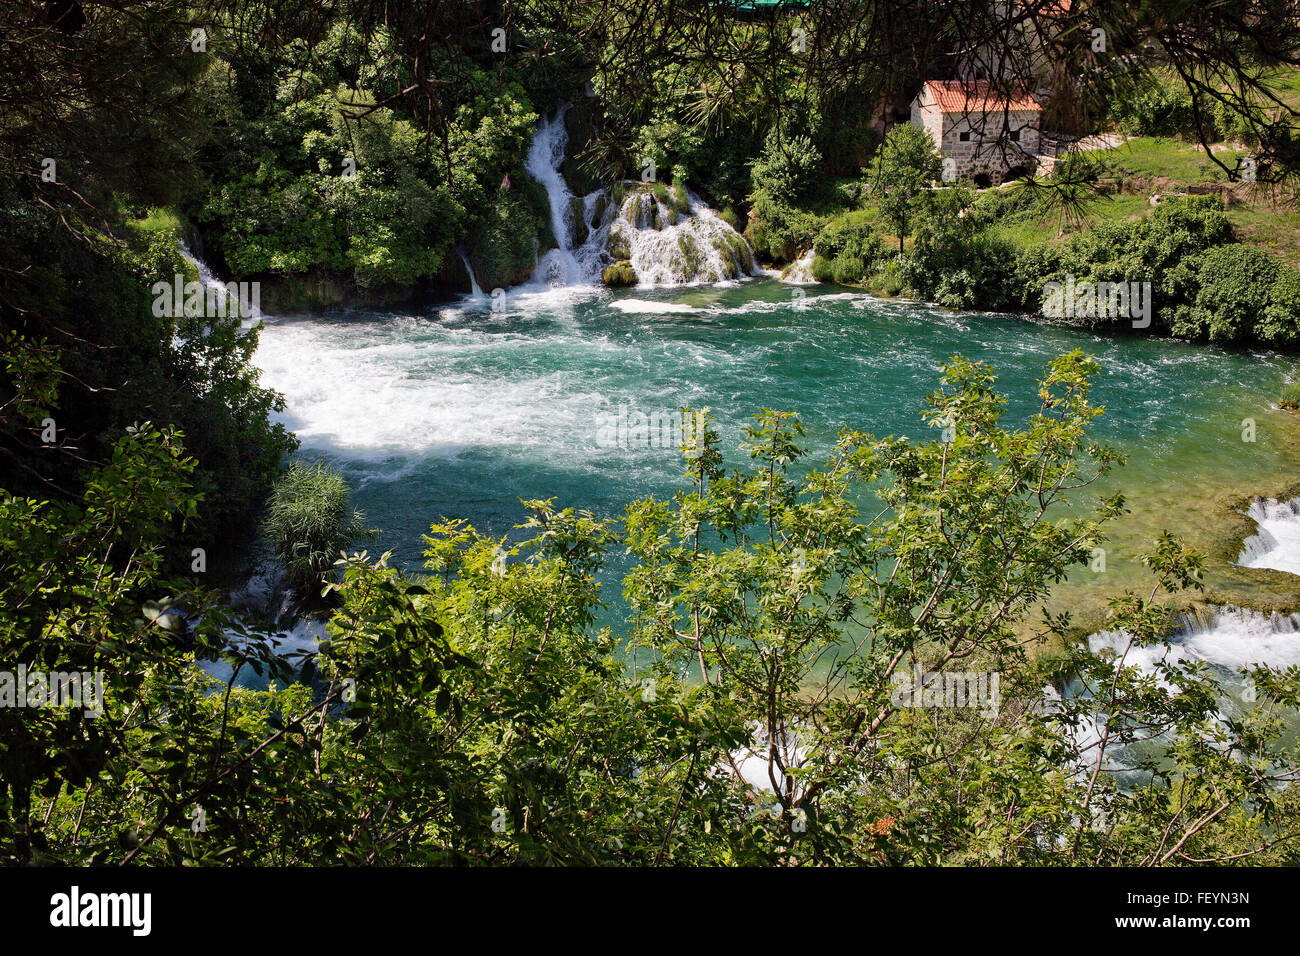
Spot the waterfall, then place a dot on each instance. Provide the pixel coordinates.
(1277, 545)
(669, 238)
(545, 157)
(800, 272)
(1229, 637)
(672, 239)
(233, 297)
(474, 289)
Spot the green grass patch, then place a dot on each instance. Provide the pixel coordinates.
(1151, 157)
(1274, 229)
(1033, 229)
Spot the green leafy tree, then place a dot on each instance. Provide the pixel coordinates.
(907, 164)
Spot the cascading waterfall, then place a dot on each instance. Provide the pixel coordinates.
(226, 295)
(474, 289)
(672, 243)
(1277, 545)
(1229, 639)
(800, 272)
(545, 157)
(668, 241)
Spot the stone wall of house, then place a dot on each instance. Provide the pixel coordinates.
(927, 115)
(973, 156)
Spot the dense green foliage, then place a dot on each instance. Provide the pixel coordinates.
(1161, 106)
(85, 303)
(317, 177)
(1205, 286)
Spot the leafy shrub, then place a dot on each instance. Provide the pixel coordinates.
(1280, 322)
(888, 280)
(308, 521)
(1241, 293)
(787, 169)
(1006, 205)
(781, 231)
(848, 269)
(1154, 109)
(850, 235)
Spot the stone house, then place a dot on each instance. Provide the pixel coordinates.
(967, 121)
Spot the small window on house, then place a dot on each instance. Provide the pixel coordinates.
(964, 136)
(1015, 136)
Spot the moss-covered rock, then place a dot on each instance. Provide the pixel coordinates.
(619, 274)
(582, 123)
(539, 203)
(298, 292)
(599, 208)
(730, 264)
(678, 199)
(617, 244)
(692, 260)
(741, 252)
(577, 221)
(659, 215)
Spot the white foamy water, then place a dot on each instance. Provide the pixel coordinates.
(667, 248)
(545, 157)
(412, 386)
(220, 293)
(643, 307)
(800, 272)
(756, 765)
(1231, 639)
(1277, 545)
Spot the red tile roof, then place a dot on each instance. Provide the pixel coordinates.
(957, 96)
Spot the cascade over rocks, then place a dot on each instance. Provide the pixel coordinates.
(633, 233)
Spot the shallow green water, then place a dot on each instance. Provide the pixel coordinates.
(463, 411)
